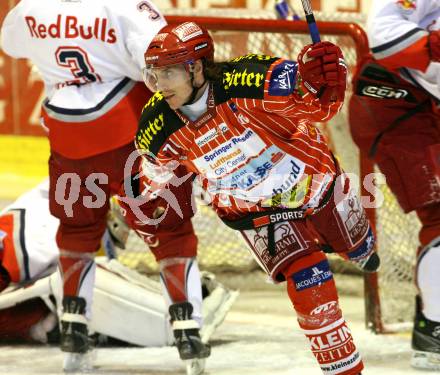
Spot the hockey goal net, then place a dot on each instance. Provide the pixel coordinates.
(389, 294)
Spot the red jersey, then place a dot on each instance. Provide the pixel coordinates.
(255, 148)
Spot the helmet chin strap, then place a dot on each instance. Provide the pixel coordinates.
(195, 89)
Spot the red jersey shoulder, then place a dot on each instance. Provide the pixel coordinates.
(244, 77)
(157, 123)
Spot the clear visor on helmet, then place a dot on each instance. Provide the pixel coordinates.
(165, 78)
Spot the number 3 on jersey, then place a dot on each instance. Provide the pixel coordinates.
(77, 60)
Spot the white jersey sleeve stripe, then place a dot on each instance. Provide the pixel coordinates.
(394, 46)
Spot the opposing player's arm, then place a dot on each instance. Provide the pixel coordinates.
(397, 41)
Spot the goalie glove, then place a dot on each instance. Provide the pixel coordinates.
(434, 45)
(323, 71)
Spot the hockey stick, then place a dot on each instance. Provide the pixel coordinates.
(310, 18)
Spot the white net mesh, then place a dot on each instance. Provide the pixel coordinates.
(222, 249)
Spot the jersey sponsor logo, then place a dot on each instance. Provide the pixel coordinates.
(242, 119)
(286, 243)
(238, 78)
(310, 277)
(353, 218)
(231, 154)
(211, 134)
(283, 79)
(187, 31)
(292, 198)
(333, 347)
(326, 307)
(146, 134)
(296, 170)
(69, 27)
(250, 181)
(249, 137)
(331, 339)
(252, 56)
(228, 163)
(343, 363)
(153, 100)
(256, 171)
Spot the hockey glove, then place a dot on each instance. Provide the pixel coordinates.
(323, 71)
(434, 45)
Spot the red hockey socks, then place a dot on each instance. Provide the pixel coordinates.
(312, 290)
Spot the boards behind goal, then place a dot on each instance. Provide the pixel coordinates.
(389, 295)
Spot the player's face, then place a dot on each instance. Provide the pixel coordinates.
(174, 82)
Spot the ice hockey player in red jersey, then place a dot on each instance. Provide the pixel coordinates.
(400, 81)
(245, 128)
(90, 56)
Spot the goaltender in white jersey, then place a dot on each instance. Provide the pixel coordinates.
(128, 306)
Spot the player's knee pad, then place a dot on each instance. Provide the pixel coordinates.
(180, 279)
(428, 279)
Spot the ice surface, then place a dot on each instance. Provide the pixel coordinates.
(259, 337)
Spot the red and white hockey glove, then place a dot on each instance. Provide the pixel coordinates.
(434, 45)
(323, 71)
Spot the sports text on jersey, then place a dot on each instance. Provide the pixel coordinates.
(68, 27)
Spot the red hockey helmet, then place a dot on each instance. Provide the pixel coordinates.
(180, 44)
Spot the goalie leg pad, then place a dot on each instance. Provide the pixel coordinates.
(312, 290)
